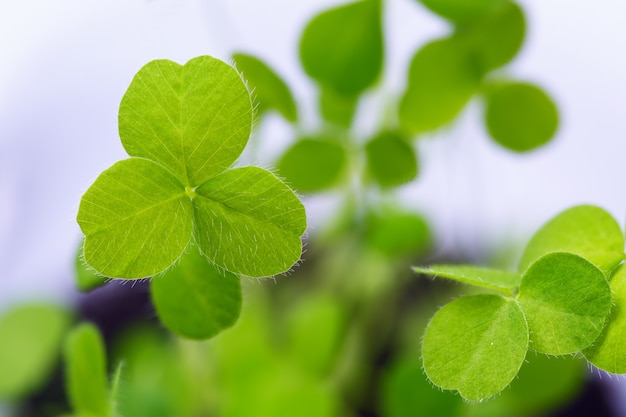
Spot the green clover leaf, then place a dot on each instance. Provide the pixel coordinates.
(184, 126)
(566, 300)
(443, 76)
(313, 164)
(490, 278)
(461, 11)
(270, 90)
(520, 116)
(607, 351)
(194, 120)
(342, 48)
(196, 300)
(588, 231)
(498, 36)
(390, 160)
(475, 345)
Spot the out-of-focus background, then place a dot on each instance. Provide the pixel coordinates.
(65, 65)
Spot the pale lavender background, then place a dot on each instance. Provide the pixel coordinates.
(64, 66)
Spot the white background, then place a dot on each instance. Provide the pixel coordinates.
(65, 65)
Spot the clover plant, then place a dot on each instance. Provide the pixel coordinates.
(565, 298)
(184, 126)
(180, 211)
(176, 207)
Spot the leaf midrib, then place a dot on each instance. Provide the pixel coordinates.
(490, 330)
(544, 305)
(140, 212)
(248, 216)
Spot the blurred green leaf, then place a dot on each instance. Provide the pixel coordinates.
(520, 116)
(444, 74)
(406, 392)
(86, 372)
(462, 11)
(396, 232)
(31, 336)
(543, 384)
(283, 390)
(342, 48)
(245, 359)
(195, 299)
(270, 90)
(607, 351)
(337, 108)
(473, 275)
(236, 362)
(315, 327)
(443, 77)
(86, 277)
(80, 415)
(313, 165)
(250, 363)
(475, 345)
(154, 383)
(587, 231)
(287, 389)
(391, 160)
(566, 300)
(498, 36)
(116, 392)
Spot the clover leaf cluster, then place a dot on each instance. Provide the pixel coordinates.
(567, 297)
(446, 73)
(184, 126)
(177, 209)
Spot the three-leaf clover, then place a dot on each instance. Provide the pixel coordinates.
(559, 302)
(184, 126)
